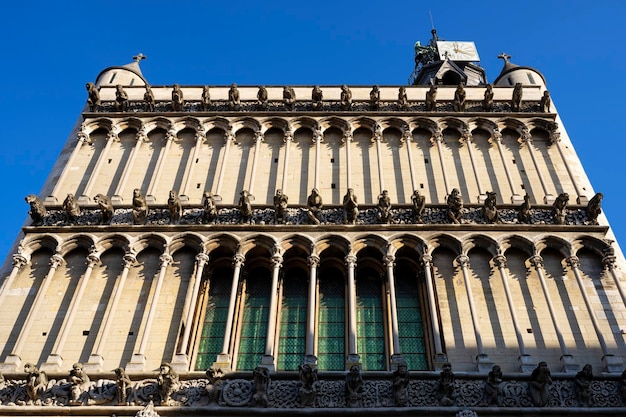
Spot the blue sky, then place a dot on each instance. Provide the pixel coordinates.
(51, 49)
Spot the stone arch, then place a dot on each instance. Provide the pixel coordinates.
(482, 242)
(482, 123)
(445, 241)
(393, 123)
(513, 124)
(363, 122)
(187, 239)
(47, 241)
(264, 241)
(304, 122)
(157, 123)
(595, 245)
(246, 123)
(337, 241)
(187, 123)
(370, 241)
(222, 240)
(149, 240)
(452, 123)
(517, 242)
(113, 240)
(424, 123)
(89, 127)
(405, 240)
(275, 123)
(128, 123)
(335, 122)
(82, 241)
(300, 241)
(216, 123)
(561, 245)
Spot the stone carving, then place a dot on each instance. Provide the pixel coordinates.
(149, 103)
(140, 207)
(289, 97)
(400, 385)
(466, 413)
(545, 103)
(384, 208)
(71, 208)
(445, 386)
(261, 376)
(488, 99)
(516, 100)
(36, 384)
(594, 208)
(234, 103)
(419, 202)
(177, 98)
(245, 208)
(168, 383)
(306, 392)
(622, 385)
(93, 97)
(209, 209)
(262, 101)
(431, 99)
(280, 207)
(316, 98)
(37, 209)
(354, 387)
(459, 98)
(403, 100)
(350, 207)
(490, 212)
(106, 208)
(237, 393)
(346, 98)
(538, 385)
(375, 98)
(205, 100)
(314, 205)
(523, 215)
(175, 207)
(214, 386)
(455, 206)
(559, 208)
(80, 385)
(147, 411)
(582, 383)
(123, 388)
(121, 99)
(491, 390)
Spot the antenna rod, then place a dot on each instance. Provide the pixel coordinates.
(432, 24)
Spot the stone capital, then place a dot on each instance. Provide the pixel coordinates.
(350, 261)
(314, 261)
(55, 261)
(389, 260)
(427, 261)
(499, 261)
(92, 260)
(202, 259)
(238, 260)
(19, 260)
(536, 261)
(165, 260)
(573, 262)
(463, 261)
(129, 260)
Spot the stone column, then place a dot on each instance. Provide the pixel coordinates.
(258, 138)
(19, 261)
(347, 138)
(396, 355)
(138, 360)
(230, 138)
(609, 262)
(555, 139)
(160, 165)
(96, 359)
(526, 138)
(95, 174)
(287, 139)
(466, 138)
(55, 360)
(13, 361)
(224, 360)
(378, 138)
(497, 138)
(440, 356)
(200, 137)
(181, 359)
(407, 136)
(119, 191)
(268, 357)
(567, 360)
(318, 137)
(525, 360)
(482, 359)
(81, 139)
(353, 354)
(309, 354)
(438, 139)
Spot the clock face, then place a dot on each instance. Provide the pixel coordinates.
(457, 51)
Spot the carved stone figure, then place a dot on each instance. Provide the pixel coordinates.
(233, 98)
(354, 387)
(559, 208)
(177, 98)
(149, 103)
(445, 385)
(261, 96)
(490, 212)
(37, 209)
(375, 98)
(213, 389)
(455, 206)
(123, 388)
(289, 97)
(175, 207)
(488, 100)
(384, 208)
(140, 207)
(168, 383)
(419, 202)
(523, 215)
(206, 98)
(401, 385)
(106, 208)
(262, 381)
(314, 204)
(280, 207)
(594, 208)
(209, 214)
(622, 384)
(71, 208)
(582, 382)
(538, 385)
(121, 99)
(546, 101)
(459, 98)
(491, 389)
(36, 383)
(317, 98)
(245, 208)
(346, 98)
(93, 97)
(350, 207)
(403, 100)
(516, 100)
(79, 385)
(431, 99)
(306, 392)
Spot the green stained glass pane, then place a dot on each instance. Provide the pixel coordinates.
(331, 322)
(410, 324)
(254, 321)
(214, 323)
(293, 315)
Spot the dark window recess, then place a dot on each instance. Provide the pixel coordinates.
(514, 161)
(85, 332)
(275, 160)
(529, 330)
(531, 78)
(110, 161)
(131, 333)
(425, 160)
(44, 333)
(197, 186)
(523, 188)
(112, 77)
(510, 81)
(197, 159)
(332, 160)
(421, 185)
(332, 186)
(132, 82)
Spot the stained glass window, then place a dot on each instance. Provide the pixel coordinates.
(410, 323)
(331, 321)
(293, 312)
(370, 319)
(255, 318)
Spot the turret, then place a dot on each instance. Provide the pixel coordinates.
(125, 75)
(512, 74)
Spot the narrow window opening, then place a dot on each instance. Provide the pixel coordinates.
(110, 161)
(523, 188)
(425, 160)
(510, 81)
(132, 81)
(529, 330)
(275, 160)
(332, 160)
(112, 77)
(421, 185)
(332, 186)
(85, 332)
(44, 333)
(514, 162)
(131, 333)
(197, 186)
(530, 78)
(197, 159)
